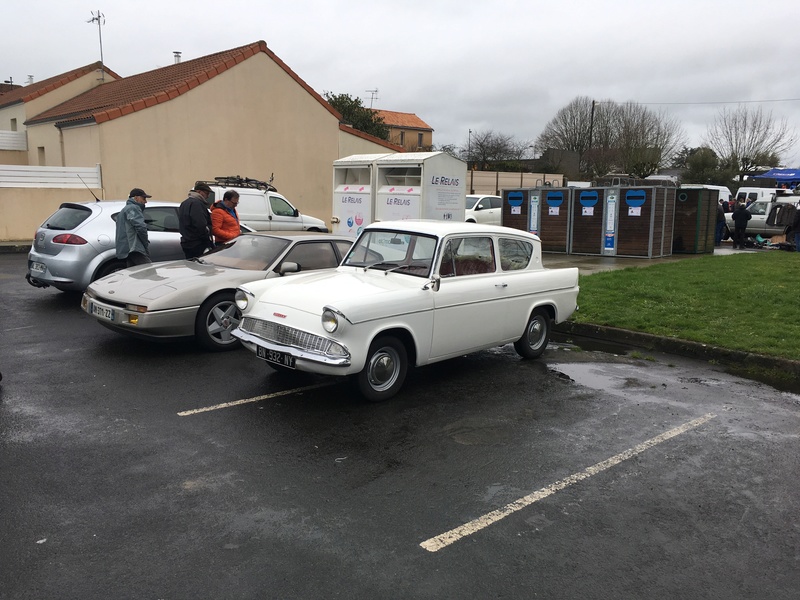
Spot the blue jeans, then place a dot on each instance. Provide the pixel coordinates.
(718, 233)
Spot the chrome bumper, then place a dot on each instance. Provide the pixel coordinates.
(303, 358)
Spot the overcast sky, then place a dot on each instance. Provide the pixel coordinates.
(505, 65)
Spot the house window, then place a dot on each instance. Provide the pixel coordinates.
(42, 161)
(13, 124)
(419, 140)
(402, 138)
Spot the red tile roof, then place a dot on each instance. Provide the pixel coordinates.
(32, 91)
(137, 92)
(402, 120)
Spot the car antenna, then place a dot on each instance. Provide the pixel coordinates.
(88, 188)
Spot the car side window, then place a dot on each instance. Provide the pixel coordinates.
(280, 207)
(758, 208)
(313, 255)
(514, 254)
(161, 218)
(343, 247)
(467, 256)
(497, 203)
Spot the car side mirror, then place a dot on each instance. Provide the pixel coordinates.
(296, 213)
(288, 267)
(433, 284)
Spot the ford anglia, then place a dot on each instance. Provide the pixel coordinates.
(408, 293)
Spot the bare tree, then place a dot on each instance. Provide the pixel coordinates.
(487, 147)
(646, 140)
(610, 136)
(749, 138)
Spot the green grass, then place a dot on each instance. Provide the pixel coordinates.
(747, 301)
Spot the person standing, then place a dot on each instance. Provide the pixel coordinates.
(720, 229)
(194, 222)
(740, 218)
(225, 219)
(131, 240)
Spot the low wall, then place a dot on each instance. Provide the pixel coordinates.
(22, 210)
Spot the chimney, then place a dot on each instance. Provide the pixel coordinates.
(177, 56)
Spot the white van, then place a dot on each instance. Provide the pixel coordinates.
(753, 194)
(723, 192)
(261, 207)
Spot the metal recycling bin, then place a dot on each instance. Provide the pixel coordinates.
(588, 213)
(639, 221)
(695, 220)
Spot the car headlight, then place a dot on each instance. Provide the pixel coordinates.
(330, 320)
(241, 298)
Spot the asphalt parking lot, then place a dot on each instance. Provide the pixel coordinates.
(137, 470)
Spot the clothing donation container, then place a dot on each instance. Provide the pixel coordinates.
(695, 220)
(420, 185)
(353, 193)
(516, 208)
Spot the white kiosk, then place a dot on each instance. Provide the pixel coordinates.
(354, 193)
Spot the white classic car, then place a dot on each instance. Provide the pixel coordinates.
(408, 293)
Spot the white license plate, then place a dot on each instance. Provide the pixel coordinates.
(37, 267)
(273, 356)
(102, 312)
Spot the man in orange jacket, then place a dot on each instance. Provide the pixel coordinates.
(225, 219)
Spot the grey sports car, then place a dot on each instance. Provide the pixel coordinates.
(194, 298)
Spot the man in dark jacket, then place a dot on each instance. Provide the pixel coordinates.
(194, 222)
(796, 229)
(740, 218)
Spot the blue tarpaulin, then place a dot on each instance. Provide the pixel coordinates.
(781, 175)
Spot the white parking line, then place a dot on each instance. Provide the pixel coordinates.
(445, 539)
(187, 413)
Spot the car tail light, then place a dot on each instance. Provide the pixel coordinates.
(70, 239)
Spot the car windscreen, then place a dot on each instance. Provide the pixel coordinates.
(396, 251)
(68, 217)
(248, 251)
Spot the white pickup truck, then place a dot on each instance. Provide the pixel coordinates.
(769, 217)
(261, 207)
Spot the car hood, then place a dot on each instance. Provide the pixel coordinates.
(170, 284)
(359, 295)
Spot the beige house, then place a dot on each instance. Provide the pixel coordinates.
(238, 112)
(407, 130)
(21, 103)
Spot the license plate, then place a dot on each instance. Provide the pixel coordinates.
(273, 356)
(37, 267)
(102, 312)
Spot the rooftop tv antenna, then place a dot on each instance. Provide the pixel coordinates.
(373, 95)
(100, 19)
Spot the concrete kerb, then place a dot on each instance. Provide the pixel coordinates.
(15, 247)
(779, 372)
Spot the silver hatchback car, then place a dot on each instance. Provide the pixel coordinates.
(75, 245)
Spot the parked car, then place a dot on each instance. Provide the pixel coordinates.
(75, 245)
(408, 293)
(261, 207)
(484, 209)
(194, 298)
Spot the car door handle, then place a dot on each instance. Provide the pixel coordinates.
(501, 285)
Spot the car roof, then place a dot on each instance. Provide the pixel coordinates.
(441, 228)
(117, 204)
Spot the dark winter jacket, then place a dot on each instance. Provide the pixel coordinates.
(740, 217)
(194, 221)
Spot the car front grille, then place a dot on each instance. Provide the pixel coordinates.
(286, 336)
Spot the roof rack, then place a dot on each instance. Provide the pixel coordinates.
(243, 182)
